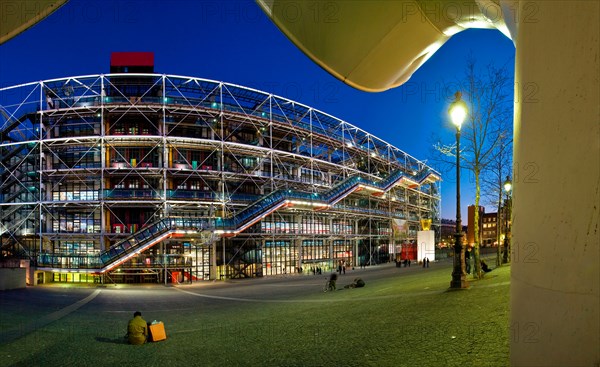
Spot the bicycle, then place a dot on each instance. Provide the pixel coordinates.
(329, 286)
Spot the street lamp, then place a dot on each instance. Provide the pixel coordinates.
(507, 189)
(458, 113)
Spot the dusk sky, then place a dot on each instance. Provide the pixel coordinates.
(233, 41)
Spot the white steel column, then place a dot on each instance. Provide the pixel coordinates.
(102, 165)
(222, 182)
(271, 143)
(40, 168)
(312, 156)
(165, 150)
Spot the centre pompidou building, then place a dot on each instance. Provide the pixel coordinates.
(137, 177)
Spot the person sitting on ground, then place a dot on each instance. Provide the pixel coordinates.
(357, 283)
(332, 281)
(485, 267)
(137, 329)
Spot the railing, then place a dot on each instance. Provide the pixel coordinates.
(190, 194)
(69, 261)
(357, 209)
(131, 194)
(92, 262)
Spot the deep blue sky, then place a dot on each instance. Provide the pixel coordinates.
(233, 41)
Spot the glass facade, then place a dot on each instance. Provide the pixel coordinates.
(158, 178)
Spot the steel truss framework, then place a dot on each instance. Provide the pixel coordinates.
(132, 171)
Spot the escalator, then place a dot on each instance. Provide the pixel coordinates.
(148, 237)
(228, 227)
(153, 234)
(283, 198)
(124, 250)
(342, 190)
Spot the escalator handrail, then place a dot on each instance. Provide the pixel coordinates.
(237, 221)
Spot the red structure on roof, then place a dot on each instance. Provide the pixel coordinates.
(132, 62)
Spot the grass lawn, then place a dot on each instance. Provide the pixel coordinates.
(410, 320)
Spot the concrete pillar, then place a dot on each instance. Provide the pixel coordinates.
(555, 251)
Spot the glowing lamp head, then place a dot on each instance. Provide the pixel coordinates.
(507, 185)
(458, 110)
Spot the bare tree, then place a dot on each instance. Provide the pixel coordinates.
(488, 95)
(493, 181)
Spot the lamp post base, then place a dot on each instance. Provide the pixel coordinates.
(459, 276)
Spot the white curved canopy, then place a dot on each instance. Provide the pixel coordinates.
(18, 16)
(377, 44)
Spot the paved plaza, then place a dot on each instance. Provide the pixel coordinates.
(403, 317)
